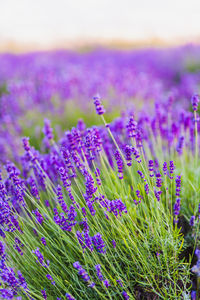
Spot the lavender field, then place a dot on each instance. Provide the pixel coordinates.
(100, 174)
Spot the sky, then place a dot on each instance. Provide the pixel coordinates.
(50, 21)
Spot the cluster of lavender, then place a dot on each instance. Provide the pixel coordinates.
(78, 201)
(39, 80)
(10, 282)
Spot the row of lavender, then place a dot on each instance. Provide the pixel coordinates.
(42, 83)
(61, 227)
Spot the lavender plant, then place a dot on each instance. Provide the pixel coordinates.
(106, 212)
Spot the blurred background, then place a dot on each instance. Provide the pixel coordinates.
(49, 24)
(55, 55)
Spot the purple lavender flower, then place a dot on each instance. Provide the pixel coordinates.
(65, 223)
(85, 225)
(33, 187)
(13, 173)
(120, 282)
(146, 188)
(158, 180)
(89, 145)
(88, 240)
(99, 107)
(43, 241)
(82, 271)
(11, 281)
(44, 294)
(136, 202)
(97, 174)
(138, 194)
(64, 177)
(18, 245)
(38, 216)
(2, 248)
(139, 138)
(96, 139)
(8, 276)
(131, 127)
(61, 200)
(195, 101)
(8, 220)
(165, 168)
(157, 194)
(128, 152)
(106, 283)
(177, 208)
(114, 243)
(171, 167)
(72, 144)
(90, 188)
(117, 207)
(40, 258)
(136, 155)
(2, 234)
(91, 208)
(7, 294)
(99, 274)
(84, 211)
(192, 220)
(180, 145)
(3, 191)
(141, 175)
(69, 297)
(77, 137)
(81, 126)
(77, 265)
(125, 295)
(151, 170)
(98, 242)
(47, 130)
(26, 145)
(51, 279)
(80, 238)
(92, 284)
(178, 185)
(119, 164)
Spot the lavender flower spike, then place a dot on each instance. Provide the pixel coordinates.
(119, 164)
(131, 127)
(47, 130)
(44, 294)
(99, 274)
(192, 220)
(195, 101)
(69, 297)
(125, 295)
(99, 107)
(106, 283)
(82, 272)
